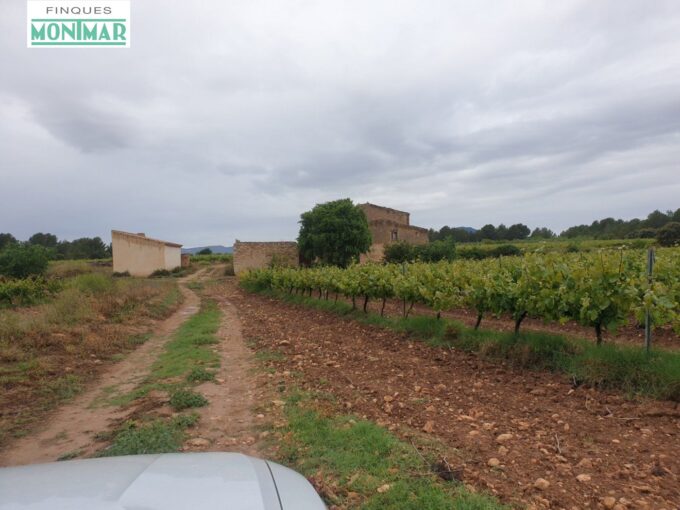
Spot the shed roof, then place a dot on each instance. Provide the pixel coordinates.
(142, 237)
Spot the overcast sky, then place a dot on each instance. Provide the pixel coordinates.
(226, 119)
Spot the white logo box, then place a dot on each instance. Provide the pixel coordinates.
(78, 24)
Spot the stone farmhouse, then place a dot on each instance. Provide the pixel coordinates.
(140, 255)
(386, 226)
(389, 226)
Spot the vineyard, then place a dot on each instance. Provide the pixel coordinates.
(602, 290)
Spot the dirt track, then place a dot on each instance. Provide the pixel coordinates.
(506, 429)
(226, 423)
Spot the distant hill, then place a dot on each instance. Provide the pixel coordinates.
(468, 229)
(215, 249)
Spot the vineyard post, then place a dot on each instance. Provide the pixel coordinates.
(648, 319)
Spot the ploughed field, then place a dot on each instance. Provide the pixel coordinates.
(527, 436)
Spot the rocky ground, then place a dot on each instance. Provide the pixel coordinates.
(527, 437)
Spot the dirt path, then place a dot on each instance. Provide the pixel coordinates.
(527, 437)
(72, 426)
(227, 423)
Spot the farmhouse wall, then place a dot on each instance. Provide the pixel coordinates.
(255, 255)
(375, 212)
(140, 255)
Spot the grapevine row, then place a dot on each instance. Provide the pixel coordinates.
(600, 290)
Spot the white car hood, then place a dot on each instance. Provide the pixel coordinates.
(204, 481)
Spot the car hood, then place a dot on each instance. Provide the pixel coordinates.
(204, 481)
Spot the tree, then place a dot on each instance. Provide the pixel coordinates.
(334, 233)
(542, 233)
(656, 219)
(488, 232)
(6, 240)
(501, 232)
(518, 231)
(46, 240)
(23, 260)
(669, 234)
(204, 251)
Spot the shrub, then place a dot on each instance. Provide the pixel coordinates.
(399, 252)
(437, 251)
(506, 250)
(159, 273)
(22, 261)
(669, 234)
(185, 399)
(26, 291)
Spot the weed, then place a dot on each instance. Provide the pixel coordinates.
(69, 455)
(360, 457)
(200, 374)
(186, 399)
(158, 436)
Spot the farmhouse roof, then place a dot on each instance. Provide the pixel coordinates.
(383, 208)
(142, 237)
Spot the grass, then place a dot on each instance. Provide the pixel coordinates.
(357, 458)
(185, 359)
(47, 351)
(157, 436)
(611, 366)
(180, 366)
(168, 303)
(186, 399)
(200, 374)
(181, 354)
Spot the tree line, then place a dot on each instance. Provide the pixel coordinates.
(606, 228)
(83, 248)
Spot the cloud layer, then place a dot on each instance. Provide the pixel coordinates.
(227, 119)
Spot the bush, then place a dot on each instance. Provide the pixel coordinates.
(669, 234)
(506, 250)
(437, 251)
(397, 253)
(22, 261)
(159, 273)
(26, 291)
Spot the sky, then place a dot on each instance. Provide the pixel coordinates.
(227, 119)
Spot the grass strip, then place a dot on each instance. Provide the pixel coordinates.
(610, 366)
(157, 436)
(364, 465)
(188, 353)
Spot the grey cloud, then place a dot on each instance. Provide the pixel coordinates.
(464, 113)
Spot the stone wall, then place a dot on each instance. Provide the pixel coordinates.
(258, 255)
(385, 232)
(375, 212)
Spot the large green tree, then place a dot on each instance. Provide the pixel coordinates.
(21, 260)
(6, 239)
(334, 233)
